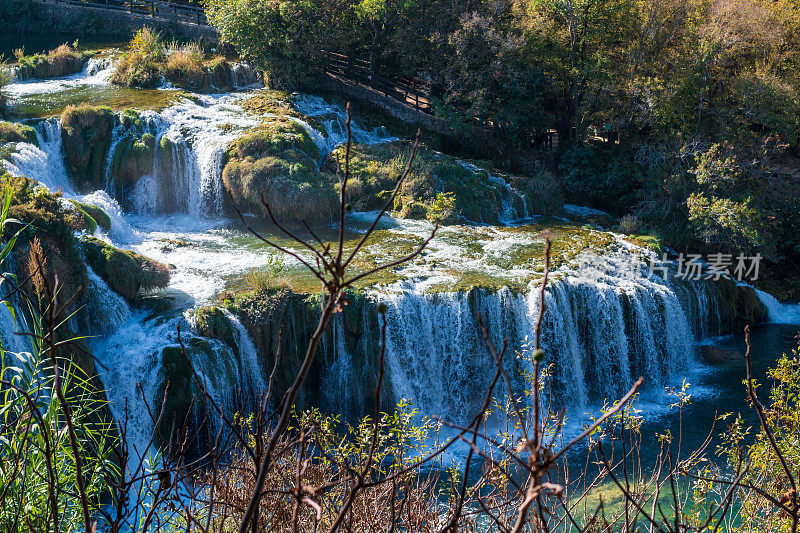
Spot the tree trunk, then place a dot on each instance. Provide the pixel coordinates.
(374, 63)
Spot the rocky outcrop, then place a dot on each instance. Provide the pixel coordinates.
(278, 161)
(279, 319)
(440, 187)
(124, 271)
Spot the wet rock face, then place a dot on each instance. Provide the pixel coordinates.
(86, 135)
(279, 319)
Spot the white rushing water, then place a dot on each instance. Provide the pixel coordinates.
(334, 121)
(599, 334)
(779, 313)
(98, 71)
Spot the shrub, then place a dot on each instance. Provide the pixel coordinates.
(184, 68)
(140, 67)
(724, 223)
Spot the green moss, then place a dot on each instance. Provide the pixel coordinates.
(46, 219)
(97, 216)
(220, 74)
(86, 136)
(13, 132)
(273, 137)
(125, 272)
(651, 242)
(133, 158)
(278, 161)
(212, 322)
(475, 196)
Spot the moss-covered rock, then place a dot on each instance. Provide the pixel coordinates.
(48, 232)
(59, 62)
(133, 158)
(473, 193)
(220, 74)
(280, 317)
(738, 305)
(177, 392)
(212, 322)
(86, 135)
(278, 161)
(14, 132)
(92, 217)
(124, 271)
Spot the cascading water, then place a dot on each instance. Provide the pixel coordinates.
(191, 139)
(779, 313)
(600, 331)
(97, 71)
(334, 119)
(599, 335)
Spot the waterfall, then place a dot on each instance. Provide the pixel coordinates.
(12, 322)
(105, 310)
(249, 368)
(44, 163)
(508, 214)
(96, 71)
(599, 335)
(245, 76)
(334, 118)
(779, 313)
(199, 135)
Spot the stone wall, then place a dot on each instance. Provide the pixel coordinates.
(119, 23)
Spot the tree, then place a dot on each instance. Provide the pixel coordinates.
(283, 37)
(380, 19)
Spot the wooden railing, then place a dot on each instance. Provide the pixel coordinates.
(413, 91)
(188, 12)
